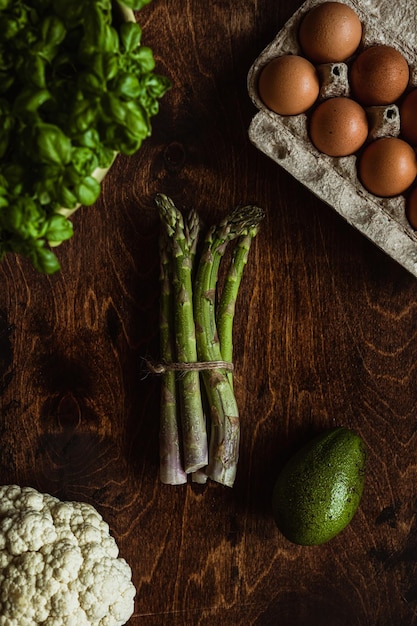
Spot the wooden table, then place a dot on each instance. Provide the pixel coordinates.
(326, 334)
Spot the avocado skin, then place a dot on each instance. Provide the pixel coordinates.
(319, 490)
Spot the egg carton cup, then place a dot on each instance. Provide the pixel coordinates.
(334, 180)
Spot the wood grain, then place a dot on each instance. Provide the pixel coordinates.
(326, 334)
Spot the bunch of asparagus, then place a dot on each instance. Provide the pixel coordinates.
(199, 423)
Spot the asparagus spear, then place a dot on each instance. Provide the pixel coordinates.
(170, 464)
(192, 230)
(227, 304)
(225, 427)
(192, 416)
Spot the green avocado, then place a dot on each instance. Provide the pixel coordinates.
(319, 490)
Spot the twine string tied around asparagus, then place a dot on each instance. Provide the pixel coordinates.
(160, 368)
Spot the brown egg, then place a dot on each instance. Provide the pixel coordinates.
(379, 75)
(289, 85)
(387, 167)
(330, 32)
(408, 117)
(338, 127)
(411, 208)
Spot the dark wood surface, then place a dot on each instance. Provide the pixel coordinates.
(326, 334)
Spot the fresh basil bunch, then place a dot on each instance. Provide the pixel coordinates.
(76, 87)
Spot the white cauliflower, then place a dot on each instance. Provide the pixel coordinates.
(59, 566)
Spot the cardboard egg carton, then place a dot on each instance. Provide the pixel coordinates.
(334, 180)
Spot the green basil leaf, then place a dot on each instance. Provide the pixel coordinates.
(84, 160)
(145, 58)
(128, 142)
(82, 116)
(88, 190)
(130, 35)
(35, 70)
(11, 25)
(110, 40)
(51, 144)
(138, 122)
(114, 109)
(127, 86)
(53, 30)
(5, 4)
(157, 86)
(59, 228)
(44, 260)
(66, 198)
(30, 100)
(110, 66)
(105, 156)
(97, 66)
(90, 139)
(89, 82)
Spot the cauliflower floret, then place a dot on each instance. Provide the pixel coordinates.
(29, 532)
(59, 565)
